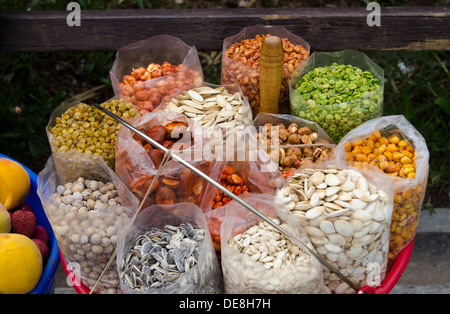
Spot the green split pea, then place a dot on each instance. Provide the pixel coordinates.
(337, 97)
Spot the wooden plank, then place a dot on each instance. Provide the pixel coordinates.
(326, 29)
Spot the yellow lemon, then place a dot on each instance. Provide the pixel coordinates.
(20, 264)
(14, 183)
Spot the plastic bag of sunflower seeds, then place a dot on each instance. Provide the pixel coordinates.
(168, 249)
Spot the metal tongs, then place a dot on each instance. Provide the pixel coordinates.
(230, 194)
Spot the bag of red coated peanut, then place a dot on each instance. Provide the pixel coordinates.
(146, 71)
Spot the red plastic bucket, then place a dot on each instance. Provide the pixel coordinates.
(396, 271)
(76, 283)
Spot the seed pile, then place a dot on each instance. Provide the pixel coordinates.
(212, 107)
(85, 195)
(85, 222)
(161, 256)
(88, 130)
(276, 265)
(338, 98)
(346, 217)
(240, 64)
(299, 154)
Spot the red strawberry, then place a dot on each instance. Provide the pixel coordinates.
(23, 222)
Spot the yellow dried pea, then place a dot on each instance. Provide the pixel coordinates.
(88, 130)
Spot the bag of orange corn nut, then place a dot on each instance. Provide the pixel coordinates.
(399, 151)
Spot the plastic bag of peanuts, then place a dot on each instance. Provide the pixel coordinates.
(146, 71)
(257, 258)
(138, 162)
(290, 141)
(394, 146)
(241, 55)
(84, 206)
(167, 249)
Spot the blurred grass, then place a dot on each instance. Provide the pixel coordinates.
(34, 84)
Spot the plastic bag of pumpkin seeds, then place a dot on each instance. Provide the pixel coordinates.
(257, 258)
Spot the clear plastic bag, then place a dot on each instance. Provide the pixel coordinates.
(349, 233)
(217, 127)
(137, 162)
(79, 127)
(239, 177)
(203, 277)
(87, 239)
(148, 53)
(408, 192)
(337, 117)
(244, 273)
(309, 144)
(246, 70)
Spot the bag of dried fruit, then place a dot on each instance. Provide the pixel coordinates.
(337, 90)
(290, 141)
(253, 175)
(393, 145)
(138, 162)
(257, 258)
(167, 249)
(85, 129)
(241, 55)
(85, 201)
(146, 71)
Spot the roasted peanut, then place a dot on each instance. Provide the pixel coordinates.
(240, 64)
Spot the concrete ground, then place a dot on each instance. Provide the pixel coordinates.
(428, 270)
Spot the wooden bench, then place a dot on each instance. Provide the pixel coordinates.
(326, 29)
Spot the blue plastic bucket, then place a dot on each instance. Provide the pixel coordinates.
(46, 284)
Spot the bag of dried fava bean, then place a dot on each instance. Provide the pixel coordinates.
(138, 162)
(337, 90)
(85, 201)
(240, 61)
(146, 71)
(290, 141)
(167, 249)
(257, 258)
(394, 146)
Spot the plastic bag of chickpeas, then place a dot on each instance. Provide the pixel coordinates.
(85, 201)
(393, 145)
